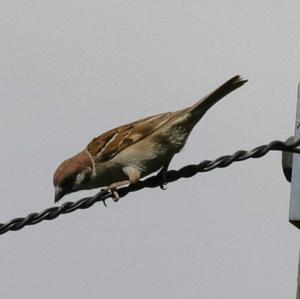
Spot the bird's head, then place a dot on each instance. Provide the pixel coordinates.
(72, 175)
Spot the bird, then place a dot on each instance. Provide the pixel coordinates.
(124, 155)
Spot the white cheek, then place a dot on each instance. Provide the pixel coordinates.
(79, 178)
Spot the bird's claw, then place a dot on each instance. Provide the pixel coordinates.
(114, 194)
(163, 177)
(163, 186)
(104, 200)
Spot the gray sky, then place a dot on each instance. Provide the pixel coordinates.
(69, 70)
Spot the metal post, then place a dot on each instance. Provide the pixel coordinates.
(298, 279)
(294, 211)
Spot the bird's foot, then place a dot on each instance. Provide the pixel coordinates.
(163, 186)
(114, 194)
(114, 191)
(104, 200)
(162, 175)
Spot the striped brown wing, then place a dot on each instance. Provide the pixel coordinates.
(109, 144)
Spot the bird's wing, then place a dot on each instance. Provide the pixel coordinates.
(109, 144)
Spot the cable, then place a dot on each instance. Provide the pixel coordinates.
(151, 182)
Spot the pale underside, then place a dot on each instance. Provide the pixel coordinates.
(156, 139)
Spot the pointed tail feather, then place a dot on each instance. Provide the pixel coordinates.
(199, 109)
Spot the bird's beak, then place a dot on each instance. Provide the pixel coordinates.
(58, 194)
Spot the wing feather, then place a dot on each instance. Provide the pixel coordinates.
(110, 143)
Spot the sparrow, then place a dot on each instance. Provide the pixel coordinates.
(125, 154)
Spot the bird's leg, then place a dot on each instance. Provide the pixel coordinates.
(113, 189)
(163, 175)
(133, 177)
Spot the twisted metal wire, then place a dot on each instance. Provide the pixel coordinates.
(151, 182)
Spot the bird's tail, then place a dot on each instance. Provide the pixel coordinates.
(199, 109)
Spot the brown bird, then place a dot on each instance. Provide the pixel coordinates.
(125, 154)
